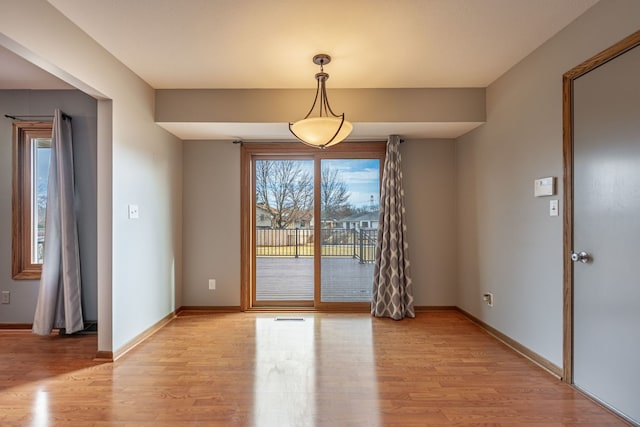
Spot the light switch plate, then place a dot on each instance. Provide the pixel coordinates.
(133, 212)
(544, 186)
(553, 208)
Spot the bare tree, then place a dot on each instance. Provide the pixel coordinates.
(285, 189)
(334, 194)
(263, 173)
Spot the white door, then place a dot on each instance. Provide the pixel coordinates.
(606, 221)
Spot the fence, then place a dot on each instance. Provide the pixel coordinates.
(338, 242)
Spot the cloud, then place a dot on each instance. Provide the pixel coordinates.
(363, 176)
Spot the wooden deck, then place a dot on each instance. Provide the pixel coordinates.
(291, 279)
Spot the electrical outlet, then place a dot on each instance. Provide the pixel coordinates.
(212, 284)
(6, 297)
(488, 298)
(134, 212)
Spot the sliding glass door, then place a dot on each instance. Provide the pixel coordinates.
(349, 201)
(309, 224)
(284, 250)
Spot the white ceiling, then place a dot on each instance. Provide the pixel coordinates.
(269, 44)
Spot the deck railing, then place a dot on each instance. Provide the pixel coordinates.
(334, 242)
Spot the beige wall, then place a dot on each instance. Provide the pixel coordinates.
(457, 105)
(211, 229)
(507, 243)
(428, 168)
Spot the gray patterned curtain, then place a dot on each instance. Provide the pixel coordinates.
(392, 288)
(59, 300)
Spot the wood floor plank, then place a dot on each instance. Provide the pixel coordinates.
(247, 369)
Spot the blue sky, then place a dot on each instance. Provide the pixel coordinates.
(362, 176)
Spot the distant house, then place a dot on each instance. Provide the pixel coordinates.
(330, 223)
(367, 220)
(265, 218)
(304, 220)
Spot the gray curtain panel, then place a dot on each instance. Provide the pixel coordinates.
(392, 288)
(59, 299)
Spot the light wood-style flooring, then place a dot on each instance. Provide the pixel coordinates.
(249, 369)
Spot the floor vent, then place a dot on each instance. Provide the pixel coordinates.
(297, 319)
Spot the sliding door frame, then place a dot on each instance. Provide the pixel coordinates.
(252, 151)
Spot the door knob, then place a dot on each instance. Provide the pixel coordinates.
(580, 256)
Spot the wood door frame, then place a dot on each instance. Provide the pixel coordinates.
(247, 213)
(590, 64)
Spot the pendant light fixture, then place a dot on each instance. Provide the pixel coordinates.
(327, 128)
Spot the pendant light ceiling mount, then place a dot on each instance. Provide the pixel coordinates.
(321, 59)
(327, 128)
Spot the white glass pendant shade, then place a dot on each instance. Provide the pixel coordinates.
(326, 128)
(320, 131)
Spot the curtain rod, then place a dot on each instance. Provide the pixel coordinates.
(241, 141)
(28, 117)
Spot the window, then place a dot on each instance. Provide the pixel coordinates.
(31, 155)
